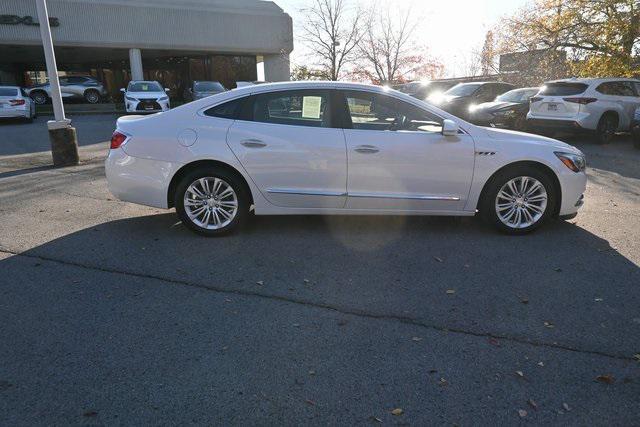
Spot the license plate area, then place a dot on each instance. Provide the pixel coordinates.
(552, 107)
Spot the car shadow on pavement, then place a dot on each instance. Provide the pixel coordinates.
(560, 286)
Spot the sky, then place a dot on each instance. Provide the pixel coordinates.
(451, 29)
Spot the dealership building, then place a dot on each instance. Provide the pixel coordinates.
(172, 41)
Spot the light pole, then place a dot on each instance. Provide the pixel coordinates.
(64, 142)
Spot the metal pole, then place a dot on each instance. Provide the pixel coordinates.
(50, 57)
(63, 138)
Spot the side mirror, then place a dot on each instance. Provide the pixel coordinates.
(166, 89)
(123, 90)
(450, 128)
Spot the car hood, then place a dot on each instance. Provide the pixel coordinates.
(527, 138)
(145, 94)
(496, 105)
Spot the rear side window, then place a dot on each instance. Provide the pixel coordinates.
(617, 89)
(228, 110)
(5, 91)
(563, 89)
(294, 108)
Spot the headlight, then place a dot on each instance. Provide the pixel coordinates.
(163, 98)
(472, 108)
(575, 162)
(504, 113)
(130, 98)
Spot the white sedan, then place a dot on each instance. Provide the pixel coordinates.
(145, 97)
(337, 148)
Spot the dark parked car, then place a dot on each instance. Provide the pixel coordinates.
(507, 111)
(635, 128)
(202, 88)
(424, 90)
(464, 96)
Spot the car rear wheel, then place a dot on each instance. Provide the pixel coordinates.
(606, 129)
(39, 97)
(518, 200)
(211, 202)
(92, 96)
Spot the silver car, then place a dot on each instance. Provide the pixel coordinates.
(72, 87)
(202, 88)
(599, 106)
(14, 103)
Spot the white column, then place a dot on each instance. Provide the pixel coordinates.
(52, 68)
(276, 68)
(135, 61)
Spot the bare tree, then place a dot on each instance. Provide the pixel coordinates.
(390, 50)
(332, 31)
(488, 55)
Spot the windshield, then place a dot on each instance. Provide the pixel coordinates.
(563, 89)
(6, 91)
(144, 87)
(208, 87)
(518, 95)
(463, 89)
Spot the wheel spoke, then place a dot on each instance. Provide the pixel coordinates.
(204, 184)
(226, 193)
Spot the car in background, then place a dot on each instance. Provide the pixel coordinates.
(463, 97)
(331, 148)
(424, 89)
(600, 106)
(84, 88)
(635, 128)
(14, 103)
(142, 96)
(507, 111)
(202, 88)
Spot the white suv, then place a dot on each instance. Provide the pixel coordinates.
(145, 97)
(601, 106)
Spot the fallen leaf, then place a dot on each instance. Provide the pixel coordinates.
(494, 342)
(598, 300)
(310, 402)
(433, 371)
(438, 259)
(451, 291)
(397, 411)
(520, 374)
(566, 407)
(558, 270)
(540, 363)
(549, 325)
(296, 325)
(312, 372)
(306, 280)
(443, 382)
(342, 322)
(533, 404)
(90, 414)
(416, 339)
(467, 266)
(637, 356)
(522, 413)
(524, 300)
(607, 379)
(260, 283)
(376, 419)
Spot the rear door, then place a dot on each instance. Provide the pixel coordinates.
(550, 102)
(289, 147)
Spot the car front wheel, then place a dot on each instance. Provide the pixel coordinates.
(519, 200)
(210, 202)
(92, 96)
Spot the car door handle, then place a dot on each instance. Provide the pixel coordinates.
(253, 143)
(366, 149)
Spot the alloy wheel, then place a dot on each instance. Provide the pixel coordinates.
(521, 202)
(211, 203)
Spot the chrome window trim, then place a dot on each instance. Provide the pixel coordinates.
(306, 192)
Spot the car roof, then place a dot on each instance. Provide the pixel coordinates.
(590, 80)
(9, 87)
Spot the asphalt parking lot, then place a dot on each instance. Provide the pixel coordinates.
(113, 313)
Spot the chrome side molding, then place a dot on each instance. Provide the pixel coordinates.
(367, 195)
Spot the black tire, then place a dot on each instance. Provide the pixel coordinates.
(606, 130)
(488, 209)
(229, 178)
(39, 97)
(92, 96)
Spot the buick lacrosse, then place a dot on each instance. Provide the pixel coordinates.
(337, 148)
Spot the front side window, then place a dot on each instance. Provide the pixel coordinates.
(369, 111)
(293, 108)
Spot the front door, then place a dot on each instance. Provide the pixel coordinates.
(398, 158)
(287, 145)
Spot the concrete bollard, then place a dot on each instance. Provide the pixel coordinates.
(64, 143)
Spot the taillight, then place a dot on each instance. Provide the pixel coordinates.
(15, 102)
(581, 101)
(117, 139)
(535, 99)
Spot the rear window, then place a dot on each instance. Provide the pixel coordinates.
(5, 91)
(563, 89)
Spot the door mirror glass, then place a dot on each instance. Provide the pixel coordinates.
(450, 128)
